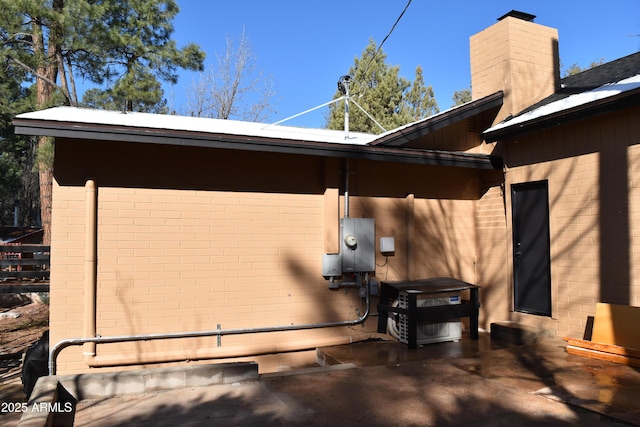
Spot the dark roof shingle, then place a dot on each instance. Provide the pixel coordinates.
(592, 78)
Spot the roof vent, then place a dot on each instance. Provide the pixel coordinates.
(519, 15)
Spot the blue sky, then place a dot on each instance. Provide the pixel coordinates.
(307, 45)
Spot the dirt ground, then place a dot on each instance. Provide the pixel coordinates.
(22, 323)
(18, 333)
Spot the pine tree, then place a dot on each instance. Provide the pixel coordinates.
(379, 89)
(576, 68)
(125, 44)
(135, 41)
(420, 99)
(461, 97)
(18, 183)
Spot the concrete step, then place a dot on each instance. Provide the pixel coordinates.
(513, 333)
(54, 397)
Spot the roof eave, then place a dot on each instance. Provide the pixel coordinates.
(602, 106)
(128, 134)
(440, 121)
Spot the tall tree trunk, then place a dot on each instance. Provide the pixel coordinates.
(44, 158)
(44, 93)
(46, 185)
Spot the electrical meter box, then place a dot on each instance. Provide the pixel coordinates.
(358, 244)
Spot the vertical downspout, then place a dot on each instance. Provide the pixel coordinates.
(411, 225)
(90, 268)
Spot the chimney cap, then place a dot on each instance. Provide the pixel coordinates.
(519, 15)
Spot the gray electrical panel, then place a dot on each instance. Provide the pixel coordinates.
(357, 240)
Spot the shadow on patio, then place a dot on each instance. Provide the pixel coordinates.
(463, 383)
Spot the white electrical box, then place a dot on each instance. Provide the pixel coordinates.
(387, 246)
(331, 265)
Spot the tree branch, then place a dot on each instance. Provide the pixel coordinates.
(34, 72)
(63, 77)
(18, 38)
(72, 82)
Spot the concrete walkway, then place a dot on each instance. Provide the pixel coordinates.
(385, 384)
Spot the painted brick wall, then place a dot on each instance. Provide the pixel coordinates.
(163, 250)
(433, 238)
(517, 57)
(189, 239)
(574, 239)
(491, 258)
(634, 220)
(67, 275)
(443, 232)
(592, 169)
(179, 260)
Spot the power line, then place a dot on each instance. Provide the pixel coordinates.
(346, 96)
(386, 37)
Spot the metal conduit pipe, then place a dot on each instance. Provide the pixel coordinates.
(346, 190)
(61, 345)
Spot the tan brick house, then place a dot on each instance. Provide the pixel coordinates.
(571, 180)
(167, 225)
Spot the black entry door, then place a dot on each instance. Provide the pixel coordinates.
(531, 255)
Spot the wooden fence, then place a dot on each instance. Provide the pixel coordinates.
(24, 268)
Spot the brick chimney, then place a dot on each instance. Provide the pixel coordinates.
(517, 56)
